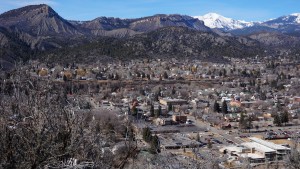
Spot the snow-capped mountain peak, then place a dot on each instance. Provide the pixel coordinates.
(214, 20)
(285, 20)
(297, 15)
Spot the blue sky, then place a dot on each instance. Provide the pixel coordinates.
(249, 10)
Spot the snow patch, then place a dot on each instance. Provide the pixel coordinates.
(214, 20)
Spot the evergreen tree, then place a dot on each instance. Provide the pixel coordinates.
(147, 134)
(224, 107)
(224, 72)
(277, 120)
(285, 117)
(198, 137)
(165, 75)
(249, 121)
(138, 74)
(217, 107)
(65, 78)
(152, 110)
(116, 76)
(220, 73)
(154, 145)
(158, 111)
(170, 107)
(143, 75)
(156, 96)
(173, 91)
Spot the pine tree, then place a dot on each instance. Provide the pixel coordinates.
(216, 107)
(198, 137)
(147, 134)
(242, 122)
(249, 121)
(165, 75)
(170, 107)
(154, 145)
(277, 120)
(173, 91)
(152, 110)
(224, 72)
(65, 78)
(285, 117)
(158, 111)
(224, 107)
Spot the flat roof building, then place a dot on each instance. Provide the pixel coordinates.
(280, 150)
(256, 148)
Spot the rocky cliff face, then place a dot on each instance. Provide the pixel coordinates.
(37, 20)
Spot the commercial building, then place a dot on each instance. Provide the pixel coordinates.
(280, 150)
(257, 151)
(264, 151)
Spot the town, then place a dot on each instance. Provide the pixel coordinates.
(191, 113)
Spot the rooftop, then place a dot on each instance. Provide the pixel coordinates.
(269, 144)
(258, 147)
(233, 148)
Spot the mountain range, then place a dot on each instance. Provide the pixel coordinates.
(285, 24)
(38, 32)
(216, 21)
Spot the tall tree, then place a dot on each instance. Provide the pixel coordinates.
(147, 134)
(173, 91)
(152, 110)
(154, 145)
(158, 111)
(165, 75)
(243, 121)
(285, 117)
(170, 107)
(224, 107)
(277, 120)
(217, 107)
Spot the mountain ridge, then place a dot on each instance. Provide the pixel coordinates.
(214, 20)
(37, 31)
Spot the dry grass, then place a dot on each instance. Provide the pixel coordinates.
(248, 140)
(282, 141)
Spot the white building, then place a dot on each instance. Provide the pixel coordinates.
(280, 150)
